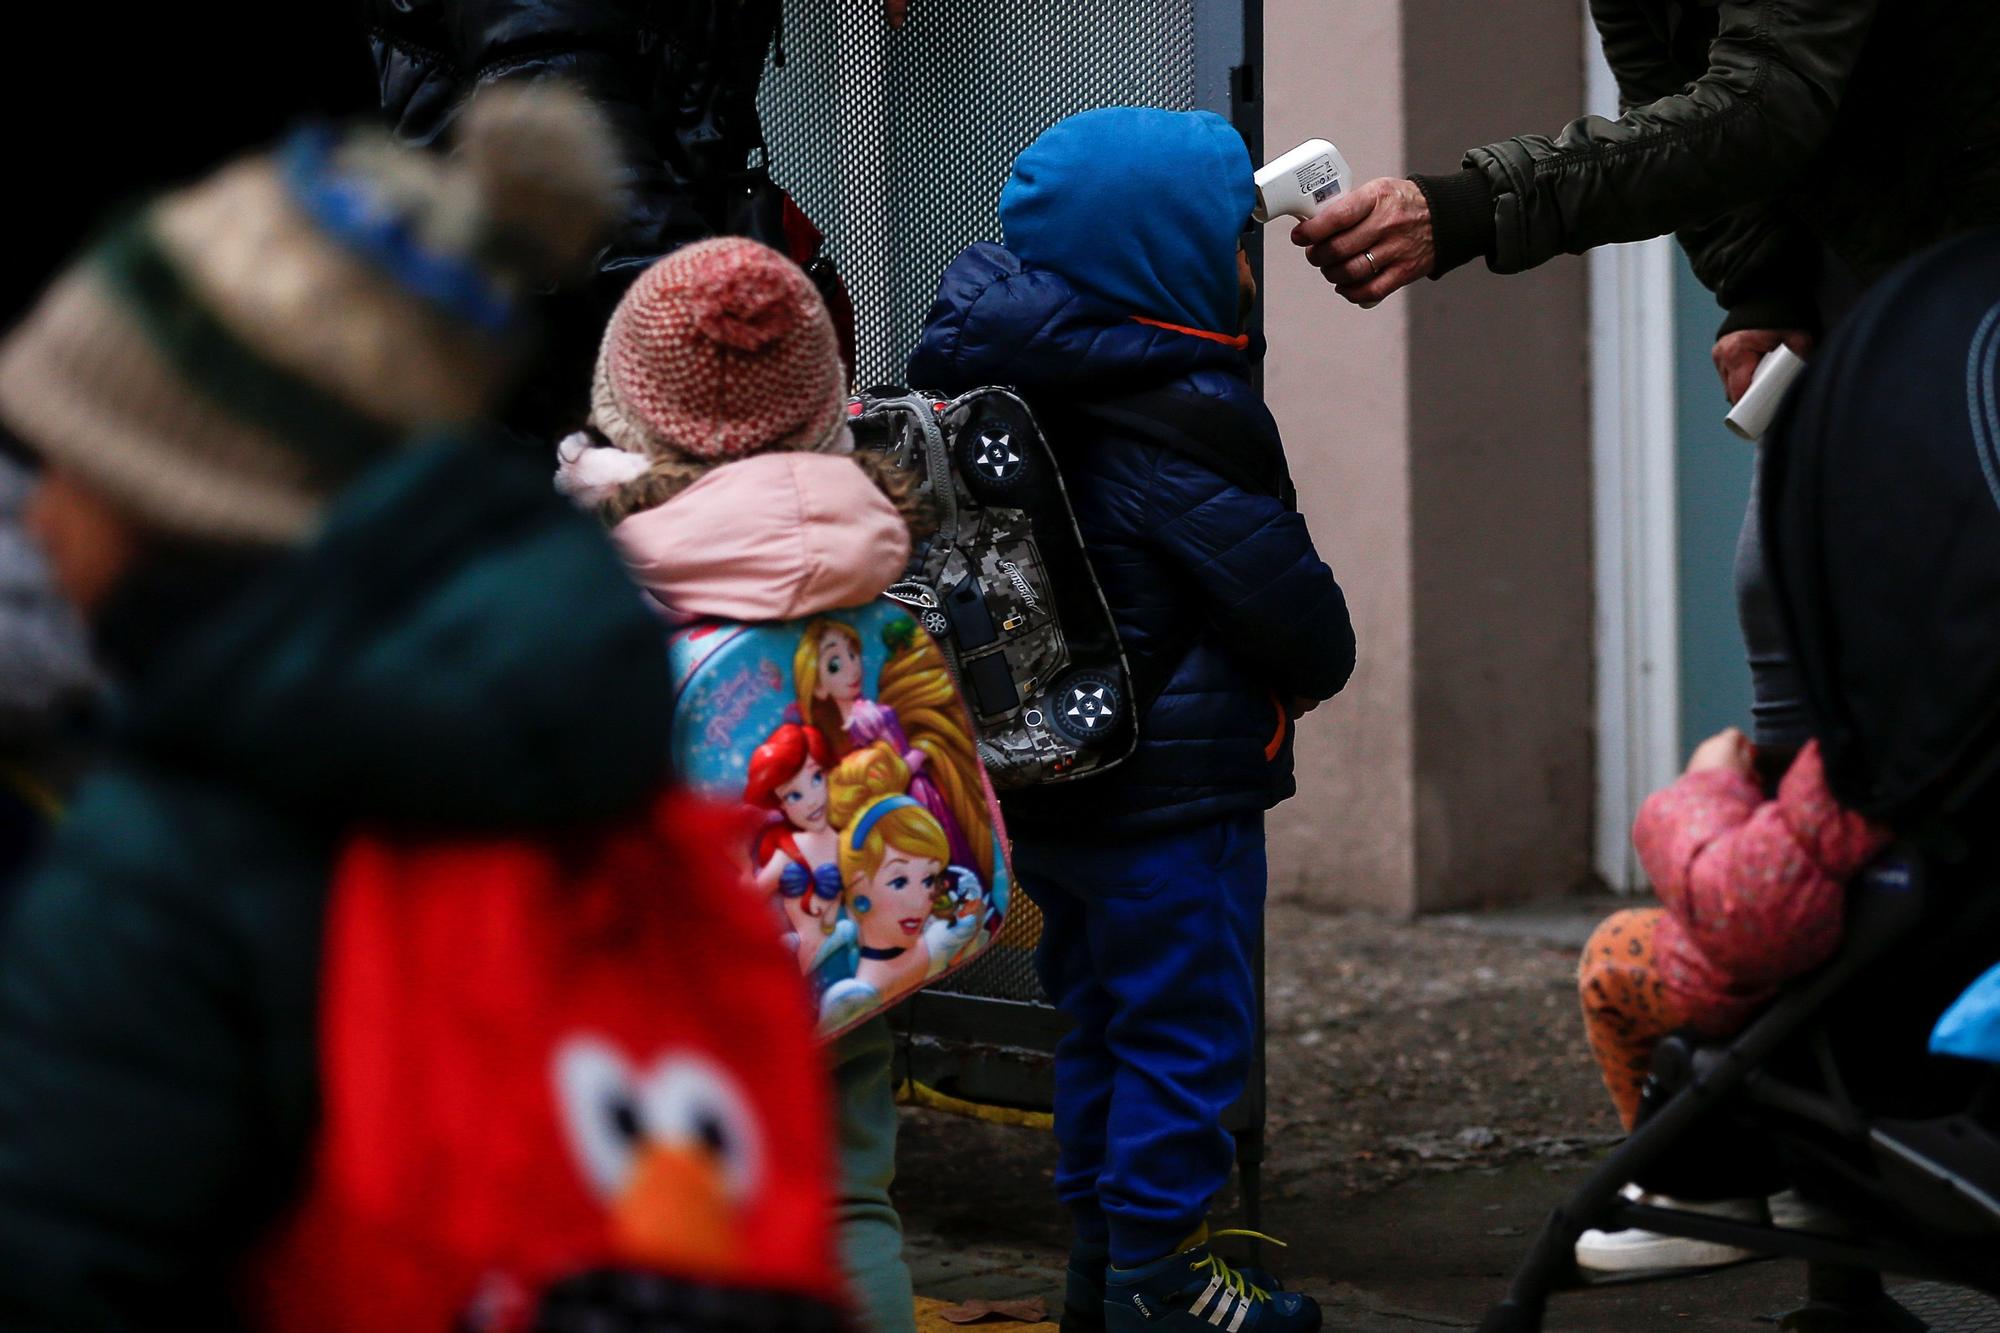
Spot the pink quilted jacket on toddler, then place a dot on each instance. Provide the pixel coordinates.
(1754, 889)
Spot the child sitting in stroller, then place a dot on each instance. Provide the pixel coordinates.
(1883, 512)
(1753, 891)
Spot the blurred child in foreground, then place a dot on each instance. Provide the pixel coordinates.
(377, 980)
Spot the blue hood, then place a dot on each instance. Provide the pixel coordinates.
(1139, 208)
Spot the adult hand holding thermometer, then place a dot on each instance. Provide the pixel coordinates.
(1298, 183)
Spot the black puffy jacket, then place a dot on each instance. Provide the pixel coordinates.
(677, 81)
(1764, 132)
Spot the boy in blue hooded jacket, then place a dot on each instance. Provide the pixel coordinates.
(1123, 275)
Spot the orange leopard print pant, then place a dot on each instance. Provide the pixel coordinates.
(1626, 1008)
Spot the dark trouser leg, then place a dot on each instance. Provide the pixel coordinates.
(1777, 709)
(1083, 1066)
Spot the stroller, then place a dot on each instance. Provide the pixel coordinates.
(1882, 522)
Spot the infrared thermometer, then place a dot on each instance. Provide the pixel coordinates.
(1296, 183)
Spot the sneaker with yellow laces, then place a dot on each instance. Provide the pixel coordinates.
(1083, 1292)
(1194, 1290)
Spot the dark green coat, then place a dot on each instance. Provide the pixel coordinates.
(1760, 131)
(459, 651)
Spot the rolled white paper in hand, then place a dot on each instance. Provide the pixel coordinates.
(1753, 412)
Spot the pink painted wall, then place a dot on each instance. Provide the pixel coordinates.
(1441, 448)
(1337, 379)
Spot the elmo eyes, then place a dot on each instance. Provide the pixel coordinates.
(685, 1103)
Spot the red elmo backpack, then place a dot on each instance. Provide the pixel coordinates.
(563, 1086)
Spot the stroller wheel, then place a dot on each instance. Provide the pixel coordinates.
(1882, 1315)
(1840, 1299)
(1508, 1317)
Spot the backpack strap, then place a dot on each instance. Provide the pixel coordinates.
(921, 412)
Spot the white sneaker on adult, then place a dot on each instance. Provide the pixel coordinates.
(1639, 1251)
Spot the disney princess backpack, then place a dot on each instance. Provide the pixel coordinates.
(875, 836)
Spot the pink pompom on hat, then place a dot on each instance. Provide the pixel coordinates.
(720, 350)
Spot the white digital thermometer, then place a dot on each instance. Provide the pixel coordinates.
(1296, 183)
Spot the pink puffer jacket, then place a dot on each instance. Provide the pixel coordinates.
(1754, 889)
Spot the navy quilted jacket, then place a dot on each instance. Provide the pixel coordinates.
(1193, 567)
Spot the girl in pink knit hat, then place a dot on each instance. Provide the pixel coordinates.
(718, 452)
(720, 351)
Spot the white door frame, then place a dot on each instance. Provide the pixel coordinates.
(1634, 487)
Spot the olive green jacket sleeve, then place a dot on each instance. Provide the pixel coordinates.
(1761, 263)
(1763, 266)
(1701, 158)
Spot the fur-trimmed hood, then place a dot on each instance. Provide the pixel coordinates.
(772, 537)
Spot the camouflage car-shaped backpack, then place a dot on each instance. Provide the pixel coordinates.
(1005, 587)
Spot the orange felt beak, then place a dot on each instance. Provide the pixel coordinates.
(677, 1216)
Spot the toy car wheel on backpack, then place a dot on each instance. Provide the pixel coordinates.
(995, 462)
(1086, 706)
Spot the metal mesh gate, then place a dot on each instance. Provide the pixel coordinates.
(897, 143)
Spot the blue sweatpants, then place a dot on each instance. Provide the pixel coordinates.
(1150, 946)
